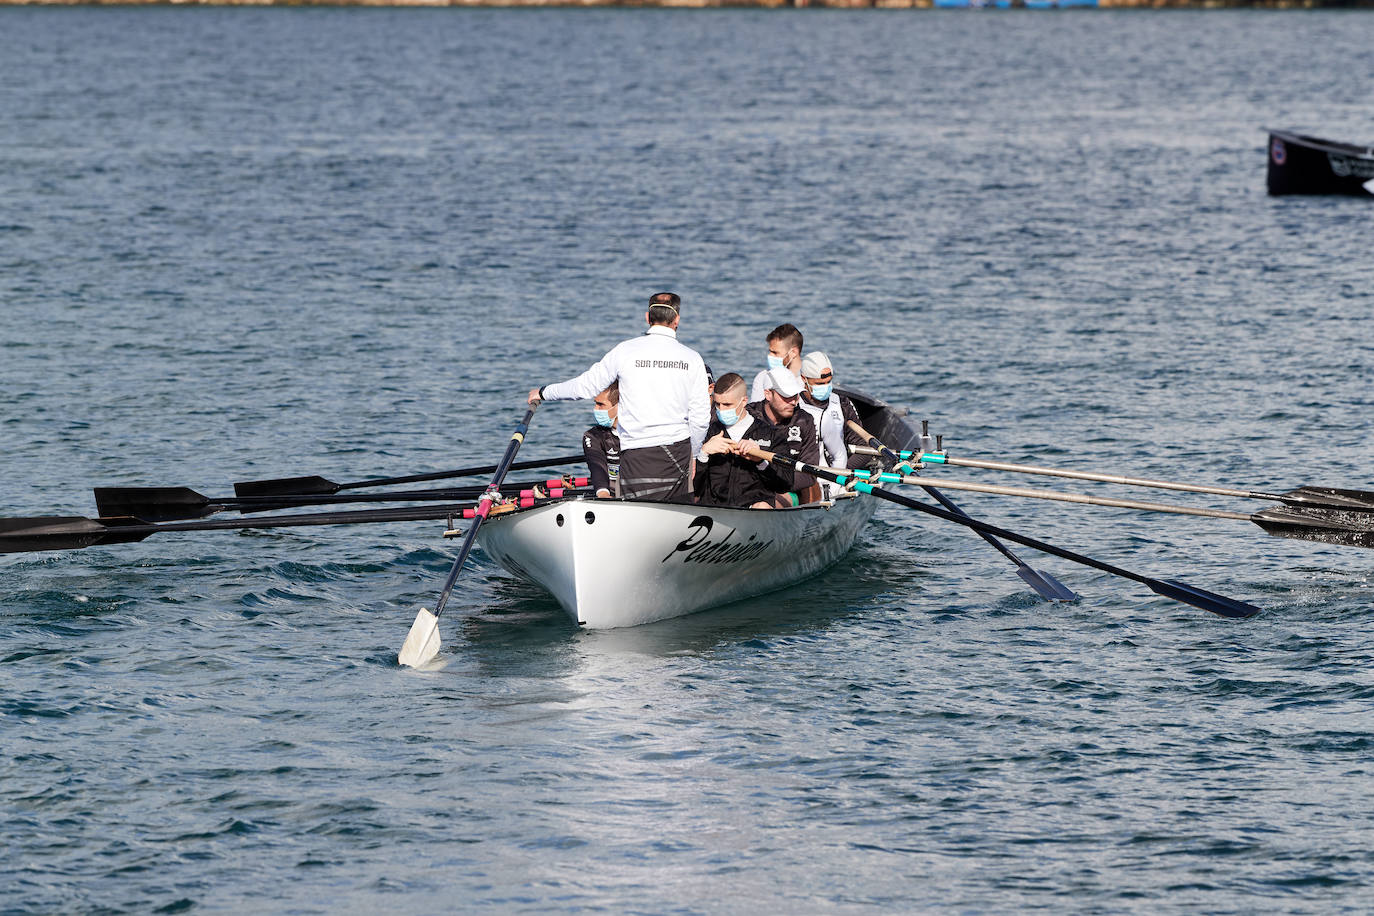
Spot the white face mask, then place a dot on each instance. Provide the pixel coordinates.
(727, 417)
(821, 392)
(775, 362)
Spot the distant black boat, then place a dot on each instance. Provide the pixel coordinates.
(1310, 165)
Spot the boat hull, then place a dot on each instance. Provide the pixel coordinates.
(1300, 164)
(620, 563)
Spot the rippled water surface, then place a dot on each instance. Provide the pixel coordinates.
(238, 244)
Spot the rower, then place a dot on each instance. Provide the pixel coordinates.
(831, 412)
(723, 476)
(601, 445)
(789, 432)
(784, 352)
(663, 409)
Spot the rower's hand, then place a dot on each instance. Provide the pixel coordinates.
(719, 444)
(534, 397)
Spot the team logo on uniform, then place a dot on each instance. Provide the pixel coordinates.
(587, 441)
(794, 434)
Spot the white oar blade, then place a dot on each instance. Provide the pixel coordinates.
(422, 642)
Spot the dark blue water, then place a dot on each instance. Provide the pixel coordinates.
(238, 244)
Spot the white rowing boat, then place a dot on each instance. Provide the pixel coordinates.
(621, 563)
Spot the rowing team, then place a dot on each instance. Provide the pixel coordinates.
(678, 435)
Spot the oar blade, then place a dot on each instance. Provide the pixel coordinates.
(153, 504)
(57, 532)
(66, 532)
(286, 486)
(1345, 529)
(1045, 585)
(422, 642)
(1331, 498)
(1201, 598)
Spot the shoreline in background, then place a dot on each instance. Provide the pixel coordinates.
(743, 4)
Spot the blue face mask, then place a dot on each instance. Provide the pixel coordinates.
(822, 392)
(727, 417)
(603, 417)
(775, 362)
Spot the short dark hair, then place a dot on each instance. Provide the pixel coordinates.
(729, 382)
(786, 334)
(664, 307)
(612, 392)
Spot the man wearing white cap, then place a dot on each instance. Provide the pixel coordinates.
(831, 412)
(790, 432)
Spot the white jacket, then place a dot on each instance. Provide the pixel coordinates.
(829, 420)
(663, 397)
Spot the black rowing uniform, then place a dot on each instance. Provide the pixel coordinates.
(796, 438)
(733, 480)
(601, 446)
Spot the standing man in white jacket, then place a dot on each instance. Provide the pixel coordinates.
(664, 406)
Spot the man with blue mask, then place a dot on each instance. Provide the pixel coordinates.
(829, 411)
(726, 476)
(601, 444)
(784, 352)
(723, 477)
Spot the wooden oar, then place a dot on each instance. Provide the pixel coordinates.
(1044, 584)
(1316, 497)
(422, 642)
(21, 535)
(161, 504)
(1329, 526)
(307, 486)
(1179, 591)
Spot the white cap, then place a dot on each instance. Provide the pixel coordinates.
(815, 364)
(784, 382)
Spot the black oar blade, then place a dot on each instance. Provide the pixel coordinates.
(1200, 597)
(286, 486)
(57, 532)
(154, 504)
(1045, 585)
(1345, 529)
(66, 532)
(1331, 498)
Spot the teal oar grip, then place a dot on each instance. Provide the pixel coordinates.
(841, 479)
(864, 487)
(889, 477)
(932, 458)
